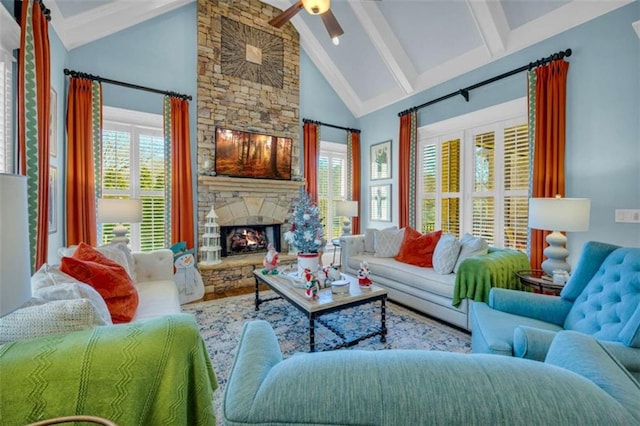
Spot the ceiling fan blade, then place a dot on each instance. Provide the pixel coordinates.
(285, 16)
(331, 23)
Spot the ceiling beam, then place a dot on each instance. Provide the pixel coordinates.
(492, 25)
(386, 43)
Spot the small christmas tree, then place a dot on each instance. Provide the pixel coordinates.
(307, 233)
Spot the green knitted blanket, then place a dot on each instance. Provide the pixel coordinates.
(477, 274)
(143, 373)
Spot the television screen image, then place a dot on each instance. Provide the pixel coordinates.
(252, 155)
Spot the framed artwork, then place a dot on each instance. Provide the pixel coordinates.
(53, 196)
(53, 123)
(380, 203)
(253, 155)
(381, 161)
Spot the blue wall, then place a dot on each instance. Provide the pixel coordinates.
(603, 116)
(318, 101)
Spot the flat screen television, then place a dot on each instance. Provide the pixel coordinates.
(252, 155)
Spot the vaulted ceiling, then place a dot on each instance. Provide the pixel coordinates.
(390, 49)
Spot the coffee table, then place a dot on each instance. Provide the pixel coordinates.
(326, 302)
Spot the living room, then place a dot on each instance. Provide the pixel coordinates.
(166, 52)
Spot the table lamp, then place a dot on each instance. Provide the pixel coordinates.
(558, 215)
(15, 264)
(348, 209)
(119, 211)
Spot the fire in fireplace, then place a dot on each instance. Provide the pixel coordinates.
(249, 239)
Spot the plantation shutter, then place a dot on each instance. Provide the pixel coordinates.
(429, 179)
(116, 172)
(323, 189)
(516, 183)
(152, 182)
(6, 123)
(483, 222)
(450, 172)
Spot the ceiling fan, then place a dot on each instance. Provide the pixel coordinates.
(314, 7)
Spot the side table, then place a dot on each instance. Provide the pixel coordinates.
(335, 242)
(534, 280)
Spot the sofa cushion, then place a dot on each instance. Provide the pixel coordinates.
(608, 306)
(118, 252)
(370, 238)
(446, 254)
(471, 246)
(68, 291)
(39, 318)
(417, 249)
(388, 242)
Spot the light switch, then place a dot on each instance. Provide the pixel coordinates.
(627, 215)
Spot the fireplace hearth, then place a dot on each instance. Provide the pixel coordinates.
(249, 239)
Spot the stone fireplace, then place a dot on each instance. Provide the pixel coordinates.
(241, 93)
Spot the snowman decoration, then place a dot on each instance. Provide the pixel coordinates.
(363, 275)
(312, 286)
(187, 278)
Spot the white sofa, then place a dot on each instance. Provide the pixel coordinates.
(424, 289)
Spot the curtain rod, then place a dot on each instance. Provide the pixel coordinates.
(465, 92)
(120, 83)
(320, 123)
(17, 10)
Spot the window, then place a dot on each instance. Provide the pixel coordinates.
(9, 40)
(332, 184)
(133, 166)
(474, 177)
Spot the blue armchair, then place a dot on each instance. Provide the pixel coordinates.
(602, 299)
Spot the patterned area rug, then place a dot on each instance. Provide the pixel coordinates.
(221, 322)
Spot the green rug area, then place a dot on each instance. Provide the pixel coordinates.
(221, 322)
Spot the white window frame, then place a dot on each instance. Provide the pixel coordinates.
(135, 123)
(333, 150)
(465, 127)
(9, 40)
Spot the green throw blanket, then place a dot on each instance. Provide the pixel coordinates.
(477, 274)
(154, 372)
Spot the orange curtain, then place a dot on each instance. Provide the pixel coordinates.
(311, 145)
(406, 156)
(34, 86)
(355, 180)
(181, 189)
(81, 186)
(549, 142)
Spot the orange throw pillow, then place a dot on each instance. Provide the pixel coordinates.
(417, 249)
(107, 277)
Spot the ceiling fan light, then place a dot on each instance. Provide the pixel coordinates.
(316, 7)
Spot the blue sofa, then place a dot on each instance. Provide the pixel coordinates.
(601, 299)
(580, 383)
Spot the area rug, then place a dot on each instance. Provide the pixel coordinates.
(221, 322)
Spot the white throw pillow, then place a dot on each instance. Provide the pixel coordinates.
(49, 275)
(49, 318)
(446, 254)
(370, 239)
(471, 246)
(67, 291)
(388, 242)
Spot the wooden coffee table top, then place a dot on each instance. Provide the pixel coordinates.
(326, 299)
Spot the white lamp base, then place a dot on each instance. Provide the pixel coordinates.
(120, 234)
(346, 227)
(556, 254)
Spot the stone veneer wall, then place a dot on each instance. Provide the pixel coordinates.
(241, 104)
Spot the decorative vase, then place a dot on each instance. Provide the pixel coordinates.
(308, 260)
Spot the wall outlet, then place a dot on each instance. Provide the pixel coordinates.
(627, 216)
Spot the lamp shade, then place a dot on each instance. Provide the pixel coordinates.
(119, 210)
(15, 266)
(347, 208)
(559, 214)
